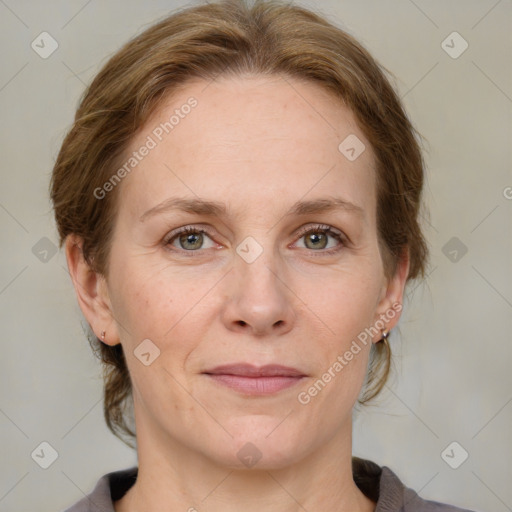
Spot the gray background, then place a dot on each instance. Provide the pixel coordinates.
(452, 378)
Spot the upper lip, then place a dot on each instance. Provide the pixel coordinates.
(249, 370)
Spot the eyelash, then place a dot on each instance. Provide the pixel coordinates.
(301, 234)
(326, 230)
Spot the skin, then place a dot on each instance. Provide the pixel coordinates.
(258, 145)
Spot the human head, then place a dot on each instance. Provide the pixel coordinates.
(231, 39)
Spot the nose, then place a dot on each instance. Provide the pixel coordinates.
(259, 301)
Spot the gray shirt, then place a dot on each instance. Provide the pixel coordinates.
(379, 484)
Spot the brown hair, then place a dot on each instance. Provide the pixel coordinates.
(230, 37)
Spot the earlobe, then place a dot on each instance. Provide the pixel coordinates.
(91, 292)
(390, 305)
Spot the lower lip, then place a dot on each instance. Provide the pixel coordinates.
(255, 385)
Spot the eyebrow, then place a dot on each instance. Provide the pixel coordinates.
(214, 208)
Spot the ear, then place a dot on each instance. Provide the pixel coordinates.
(390, 304)
(91, 292)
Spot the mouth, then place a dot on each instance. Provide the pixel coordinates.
(252, 380)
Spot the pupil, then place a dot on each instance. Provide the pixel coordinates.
(195, 240)
(314, 238)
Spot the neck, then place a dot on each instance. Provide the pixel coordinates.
(179, 478)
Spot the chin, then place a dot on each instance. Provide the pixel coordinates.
(262, 443)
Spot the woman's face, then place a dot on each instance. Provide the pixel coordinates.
(280, 266)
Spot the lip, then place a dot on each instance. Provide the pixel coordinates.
(253, 380)
(249, 370)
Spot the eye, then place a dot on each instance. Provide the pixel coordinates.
(189, 238)
(317, 238)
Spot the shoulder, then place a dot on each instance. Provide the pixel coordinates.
(394, 493)
(385, 488)
(378, 483)
(109, 488)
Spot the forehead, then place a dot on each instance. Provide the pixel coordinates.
(235, 135)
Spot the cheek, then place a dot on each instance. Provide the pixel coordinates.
(170, 310)
(347, 311)
(140, 306)
(345, 301)
(148, 301)
(151, 308)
